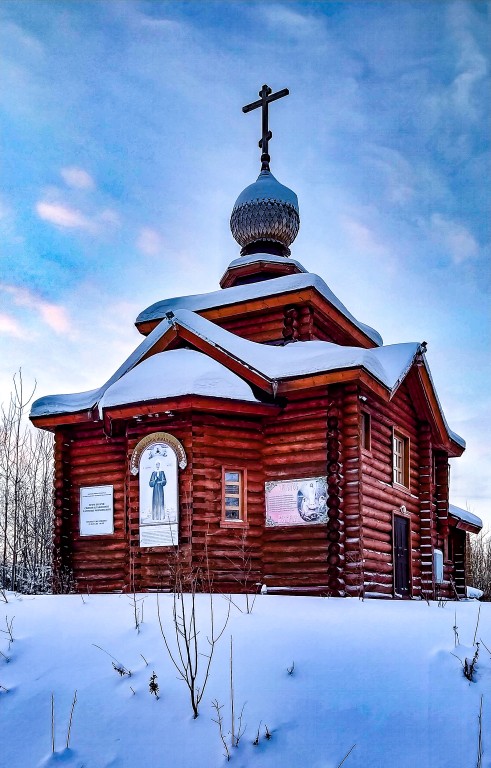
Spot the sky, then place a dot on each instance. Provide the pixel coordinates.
(124, 148)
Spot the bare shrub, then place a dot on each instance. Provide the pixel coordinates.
(192, 650)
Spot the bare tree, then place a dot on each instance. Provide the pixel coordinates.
(26, 482)
(480, 562)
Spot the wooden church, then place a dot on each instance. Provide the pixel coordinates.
(266, 427)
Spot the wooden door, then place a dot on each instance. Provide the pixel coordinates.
(401, 555)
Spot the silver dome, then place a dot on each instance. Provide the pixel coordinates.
(265, 212)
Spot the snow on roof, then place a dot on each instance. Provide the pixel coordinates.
(252, 258)
(85, 401)
(267, 187)
(453, 435)
(240, 293)
(172, 374)
(73, 403)
(387, 364)
(464, 515)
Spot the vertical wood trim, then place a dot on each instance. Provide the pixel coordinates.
(335, 524)
(353, 491)
(426, 511)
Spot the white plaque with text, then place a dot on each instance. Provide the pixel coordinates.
(96, 510)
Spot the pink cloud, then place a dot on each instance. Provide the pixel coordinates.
(54, 315)
(62, 216)
(10, 327)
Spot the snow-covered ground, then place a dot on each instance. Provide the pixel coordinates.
(376, 674)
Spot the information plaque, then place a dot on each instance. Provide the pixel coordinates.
(296, 502)
(96, 510)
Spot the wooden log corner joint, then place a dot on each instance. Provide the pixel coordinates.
(265, 430)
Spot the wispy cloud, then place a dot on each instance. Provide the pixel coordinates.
(62, 216)
(77, 178)
(291, 21)
(363, 237)
(460, 243)
(54, 315)
(149, 242)
(9, 326)
(471, 65)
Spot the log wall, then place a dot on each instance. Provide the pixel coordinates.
(381, 497)
(295, 445)
(317, 433)
(99, 563)
(233, 551)
(292, 322)
(265, 326)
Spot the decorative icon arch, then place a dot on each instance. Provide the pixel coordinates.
(158, 437)
(156, 459)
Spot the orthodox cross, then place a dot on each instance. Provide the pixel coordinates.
(267, 96)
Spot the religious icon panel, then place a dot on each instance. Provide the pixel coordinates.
(159, 496)
(296, 502)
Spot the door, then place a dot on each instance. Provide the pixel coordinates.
(401, 555)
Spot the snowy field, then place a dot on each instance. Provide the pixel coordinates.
(376, 674)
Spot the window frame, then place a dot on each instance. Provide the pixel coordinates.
(366, 431)
(242, 520)
(403, 437)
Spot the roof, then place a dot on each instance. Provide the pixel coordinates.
(252, 258)
(387, 364)
(241, 293)
(154, 372)
(267, 187)
(468, 519)
(175, 373)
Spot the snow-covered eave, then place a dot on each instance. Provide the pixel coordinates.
(456, 440)
(466, 521)
(280, 383)
(237, 294)
(82, 403)
(274, 385)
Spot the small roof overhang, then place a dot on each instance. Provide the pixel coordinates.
(464, 520)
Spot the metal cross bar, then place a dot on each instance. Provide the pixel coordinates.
(266, 98)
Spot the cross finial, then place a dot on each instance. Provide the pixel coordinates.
(267, 96)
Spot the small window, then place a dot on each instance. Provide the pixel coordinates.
(366, 437)
(438, 565)
(400, 459)
(233, 496)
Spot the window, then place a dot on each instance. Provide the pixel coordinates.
(400, 459)
(438, 565)
(365, 431)
(233, 507)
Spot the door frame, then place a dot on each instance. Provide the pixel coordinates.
(403, 513)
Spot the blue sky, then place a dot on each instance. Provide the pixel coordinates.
(124, 148)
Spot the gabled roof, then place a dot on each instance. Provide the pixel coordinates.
(237, 294)
(387, 364)
(175, 373)
(272, 369)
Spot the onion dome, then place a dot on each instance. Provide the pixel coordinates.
(265, 217)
